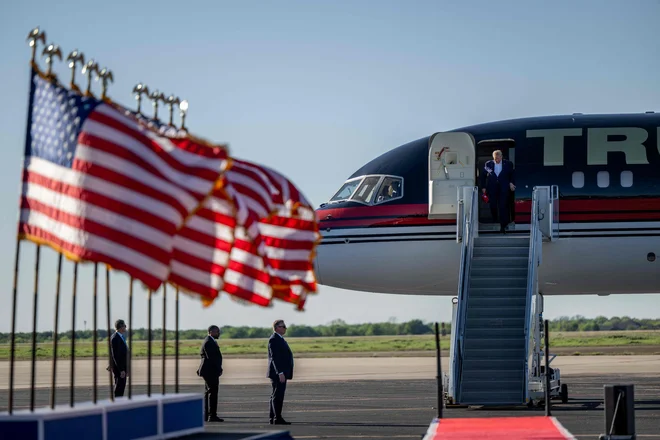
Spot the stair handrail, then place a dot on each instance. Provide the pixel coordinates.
(554, 211)
(467, 246)
(535, 244)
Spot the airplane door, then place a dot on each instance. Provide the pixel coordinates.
(484, 154)
(451, 166)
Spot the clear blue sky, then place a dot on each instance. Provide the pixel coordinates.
(315, 90)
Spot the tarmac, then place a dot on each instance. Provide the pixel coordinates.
(242, 371)
(380, 400)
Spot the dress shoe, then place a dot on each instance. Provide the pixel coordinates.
(281, 422)
(270, 421)
(215, 419)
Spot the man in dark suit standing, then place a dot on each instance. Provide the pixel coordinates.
(280, 369)
(119, 357)
(498, 181)
(210, 368)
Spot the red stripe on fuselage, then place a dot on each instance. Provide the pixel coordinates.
(594, 210)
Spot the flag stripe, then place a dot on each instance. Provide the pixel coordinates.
(118, 144)
(239, 280)
(188, 286)
(205, 222)
(45, 200)
(199, 263)
(78, 231)
(196, 275)
(218, 252)
(180, 154)
(81, 254)
(99, 192)
(100, 149)
(69, 238)
(110, 169)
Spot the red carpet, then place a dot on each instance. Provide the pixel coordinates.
(520, 428)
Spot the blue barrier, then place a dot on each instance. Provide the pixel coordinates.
(142, 417)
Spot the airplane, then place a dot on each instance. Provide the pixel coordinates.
(392, 226)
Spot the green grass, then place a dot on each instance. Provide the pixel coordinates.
(334, 345)
(605, 339)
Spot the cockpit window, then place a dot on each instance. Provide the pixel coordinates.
(346, 191)
(370, 190)
(365, 193)
(390, 189)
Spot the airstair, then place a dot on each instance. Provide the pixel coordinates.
(496, 354)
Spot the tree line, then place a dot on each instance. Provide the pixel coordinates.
(341, 328)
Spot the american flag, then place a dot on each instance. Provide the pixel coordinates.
(268, 255)
(100, 186)
(248, 185)
(289, 239)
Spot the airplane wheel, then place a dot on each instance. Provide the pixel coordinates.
(564, 393)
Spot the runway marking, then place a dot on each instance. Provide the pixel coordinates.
(347, 399)
(426, 408)
(595, 435)
(359, 436)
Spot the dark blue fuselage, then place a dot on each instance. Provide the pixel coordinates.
(410, 161)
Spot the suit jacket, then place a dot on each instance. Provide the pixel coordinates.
(280, 357)
(211, 363)
(119, 355)
(489, 179)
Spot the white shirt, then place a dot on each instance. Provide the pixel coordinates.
(498, 168)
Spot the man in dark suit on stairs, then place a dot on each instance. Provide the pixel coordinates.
(210, 368)
(280, 370)
(498, 181)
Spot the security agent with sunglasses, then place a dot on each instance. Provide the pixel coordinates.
(280, 369)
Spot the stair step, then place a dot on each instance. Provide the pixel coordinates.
(499, 262)
(493, 364)
(503, 385)
(487, 354)
(499, 241)
(491, 398)
(497, 292)
(484, 271)
(499, 282)
(487, 343)
(498, 301)
(494, 324)
(481, 332)
(501, 252)
(492, 375)
(482, 311)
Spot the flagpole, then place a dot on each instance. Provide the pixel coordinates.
(164, 334)
(13, 327)
(34, 37)
(149, 343)
(35, 309)
(176, 344)
(130, 338)
(94, 333)
(55, 332)
(107, 297)
(73, 335)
